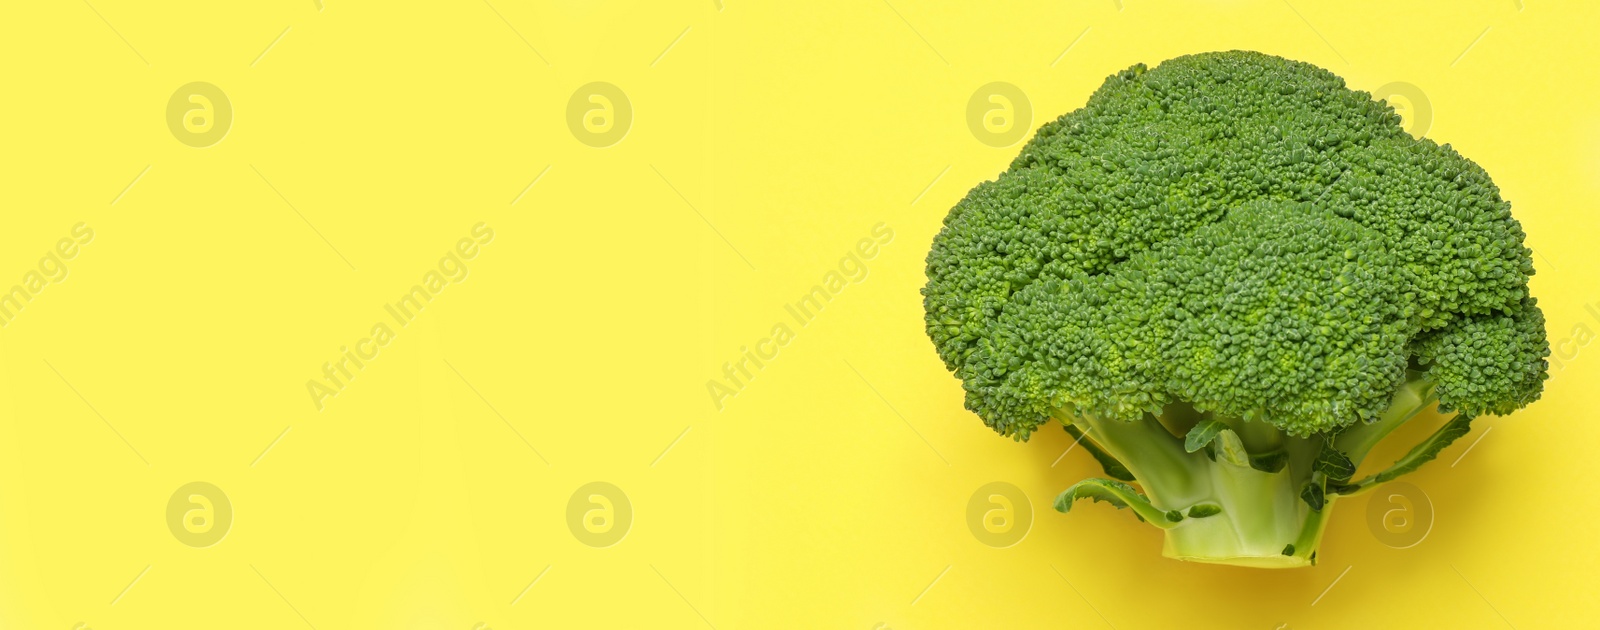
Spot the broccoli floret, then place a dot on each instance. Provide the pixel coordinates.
(1236, 244)
(1490, 363)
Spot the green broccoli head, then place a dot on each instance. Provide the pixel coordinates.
(1107, 269)
(1236, 246)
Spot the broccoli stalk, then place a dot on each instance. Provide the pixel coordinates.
(1238, 496)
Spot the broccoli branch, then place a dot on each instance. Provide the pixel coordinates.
(1416, 457)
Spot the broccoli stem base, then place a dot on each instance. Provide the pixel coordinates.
(1261, 513)
(1216, 506)
(1261, 516)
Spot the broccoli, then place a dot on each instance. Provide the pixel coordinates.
(1229, 277)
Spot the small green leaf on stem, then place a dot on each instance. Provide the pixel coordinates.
(1202, 434)
(1270, 462)
(1312, 492)
(1333, 463)
(1205, 509)
(1116, 493)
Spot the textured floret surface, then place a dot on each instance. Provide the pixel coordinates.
(1241, 232)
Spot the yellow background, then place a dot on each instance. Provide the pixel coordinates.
(767, 138)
